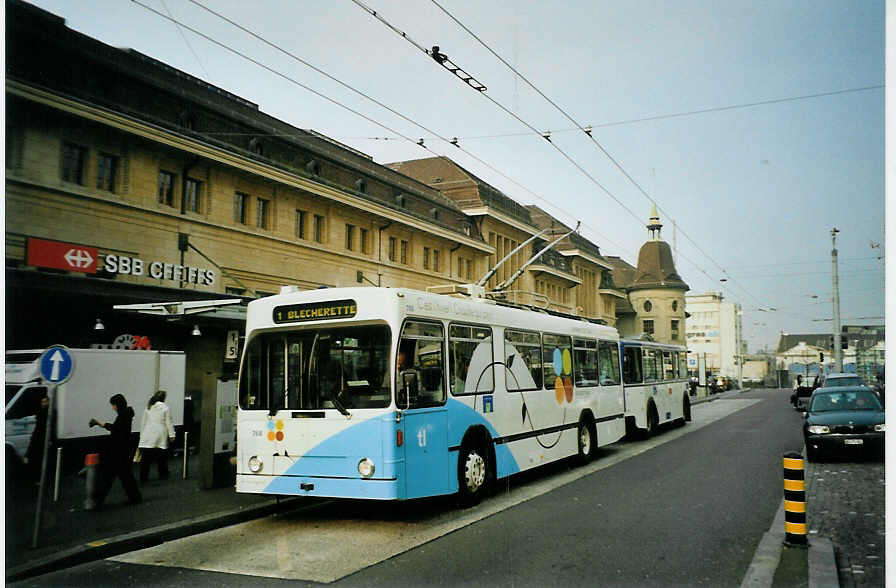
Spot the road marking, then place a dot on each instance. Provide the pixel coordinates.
(303, 545)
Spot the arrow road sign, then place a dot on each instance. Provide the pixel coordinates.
(57, 364)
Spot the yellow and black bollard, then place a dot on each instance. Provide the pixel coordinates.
(794, 499)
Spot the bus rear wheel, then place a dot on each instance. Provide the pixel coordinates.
(587, 440)
(472, 474)
(653, 421)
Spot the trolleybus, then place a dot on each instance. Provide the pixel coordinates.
(655, 378)
(395, 394)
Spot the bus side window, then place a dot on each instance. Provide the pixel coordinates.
(632, 373)
(668, 365)
(470, 353)
(556, 359)
(522, 360)
(609, 364)
(585, 362)
(420, 357)
(650, 368)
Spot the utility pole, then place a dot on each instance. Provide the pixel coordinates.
(838, 352)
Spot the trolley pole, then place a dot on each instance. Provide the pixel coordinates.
(838, 352)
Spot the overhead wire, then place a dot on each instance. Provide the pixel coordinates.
(569, 158)
(590, 136)
(186, 42)
(386, 107)
(341, 105)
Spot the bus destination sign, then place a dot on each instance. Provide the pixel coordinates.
(315, 311)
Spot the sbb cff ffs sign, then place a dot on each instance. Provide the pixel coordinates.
(59, 255)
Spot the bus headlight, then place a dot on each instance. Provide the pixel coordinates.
(881, 428)
(819, 429)
(255, 464)
(366, 467)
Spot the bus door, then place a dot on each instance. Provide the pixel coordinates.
(420, 395)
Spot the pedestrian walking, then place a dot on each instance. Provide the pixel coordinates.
(156, 434)
(35, 452)
(116, 459)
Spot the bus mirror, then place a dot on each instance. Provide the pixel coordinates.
(408, 385)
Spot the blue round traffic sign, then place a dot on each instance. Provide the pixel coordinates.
(57, 364)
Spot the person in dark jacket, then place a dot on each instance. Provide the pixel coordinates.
(116, 460)
(34, 454)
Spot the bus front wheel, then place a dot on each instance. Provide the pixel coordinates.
(472, 474)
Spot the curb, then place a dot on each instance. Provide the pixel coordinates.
(822, 564)
(112, 546)
(768, 555)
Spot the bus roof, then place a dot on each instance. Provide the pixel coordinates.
(392, 305)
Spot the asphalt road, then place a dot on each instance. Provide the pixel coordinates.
(686, 509)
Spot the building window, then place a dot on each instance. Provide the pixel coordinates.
(648, 306)
(435, 260)
(350, 237)
(166, 188)
(426, 258)
(262, 211)
(106, 168)
(318, 228)
(675, 329)
(191, 195)
(675, 306)
(469, 269)
(404, 252)
(234, 291)
(300, 223)
(392, 243)
(460, 267)
(240, 202)
(365, 241)
(73, 158)
(648, 326)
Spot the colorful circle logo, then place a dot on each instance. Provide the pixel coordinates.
(562, 364)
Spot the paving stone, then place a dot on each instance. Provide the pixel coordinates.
(845, 503)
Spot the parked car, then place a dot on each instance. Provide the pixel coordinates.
(840, 379)
(844, 419)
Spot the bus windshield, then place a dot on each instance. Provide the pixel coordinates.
(313, 369)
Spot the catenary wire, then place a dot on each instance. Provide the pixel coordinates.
(590, 136)
(572, 161)
(366, 96)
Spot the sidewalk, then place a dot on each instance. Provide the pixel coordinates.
(70, 535)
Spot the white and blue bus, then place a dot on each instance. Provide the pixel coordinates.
(395, 394)
(655, 379)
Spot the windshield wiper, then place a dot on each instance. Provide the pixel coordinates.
(339, 406)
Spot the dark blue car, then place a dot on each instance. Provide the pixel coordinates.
(845, 420)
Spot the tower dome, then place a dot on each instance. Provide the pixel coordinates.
(656, 267)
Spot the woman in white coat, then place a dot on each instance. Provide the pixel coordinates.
(156, 433)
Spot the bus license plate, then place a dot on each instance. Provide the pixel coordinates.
(853, 441)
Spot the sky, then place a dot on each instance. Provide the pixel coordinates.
(777, 135)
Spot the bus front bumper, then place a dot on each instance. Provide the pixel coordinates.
(328, 487)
